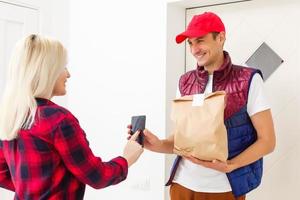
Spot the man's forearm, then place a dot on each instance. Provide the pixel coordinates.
(257, 150)
(166, 146)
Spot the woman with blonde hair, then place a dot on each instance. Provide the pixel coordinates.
(44, 153)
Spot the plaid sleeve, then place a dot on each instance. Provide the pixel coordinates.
(5, 177)
(72, 145)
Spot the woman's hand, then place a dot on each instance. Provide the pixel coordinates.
(132, 150)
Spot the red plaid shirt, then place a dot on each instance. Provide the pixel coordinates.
(52, 160)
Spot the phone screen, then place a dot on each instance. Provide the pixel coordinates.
(138, 123)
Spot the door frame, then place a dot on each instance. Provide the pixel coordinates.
(31, 4)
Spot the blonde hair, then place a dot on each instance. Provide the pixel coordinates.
(33, 70)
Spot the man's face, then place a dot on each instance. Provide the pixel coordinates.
(207, 49)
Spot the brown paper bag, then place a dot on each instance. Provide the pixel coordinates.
(199, 130)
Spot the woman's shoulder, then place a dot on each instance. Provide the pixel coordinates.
(54, 112)
(48, 118)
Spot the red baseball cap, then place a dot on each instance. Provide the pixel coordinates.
(201, 25)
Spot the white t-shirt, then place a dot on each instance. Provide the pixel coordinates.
(202, 179)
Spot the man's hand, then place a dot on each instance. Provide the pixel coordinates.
(153, 143)
(224, 167)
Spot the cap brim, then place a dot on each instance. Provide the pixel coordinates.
(180, 38)
(189, 34)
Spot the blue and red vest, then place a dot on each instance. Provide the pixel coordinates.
(235, 81)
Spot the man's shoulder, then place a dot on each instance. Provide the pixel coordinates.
(244, 70)
(188, 74)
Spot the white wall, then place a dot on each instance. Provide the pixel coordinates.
(117, 64)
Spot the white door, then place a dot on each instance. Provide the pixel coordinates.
(15, 22)
(276, 23)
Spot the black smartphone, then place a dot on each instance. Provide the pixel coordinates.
(138, 123)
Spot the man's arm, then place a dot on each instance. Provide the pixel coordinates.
(265, 144)
(153, 143)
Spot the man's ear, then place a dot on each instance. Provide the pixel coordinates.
(222, 37)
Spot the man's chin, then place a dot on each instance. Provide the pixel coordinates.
(202, 63)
